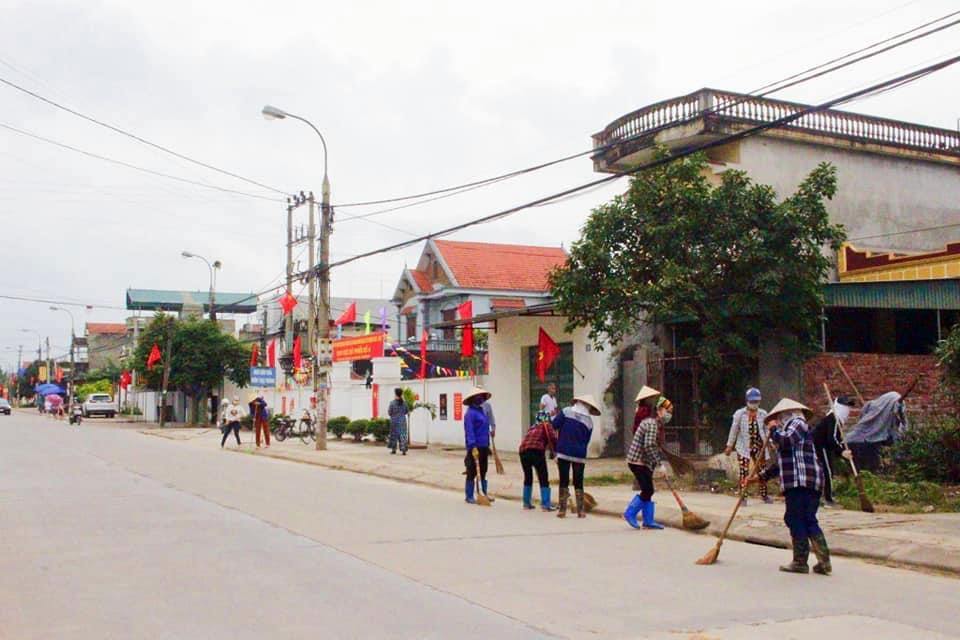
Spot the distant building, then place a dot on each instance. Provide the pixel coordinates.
(106, 343)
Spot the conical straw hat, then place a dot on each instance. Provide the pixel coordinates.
(646, 392)
(476, 391)
(588, 400)
(786, 404)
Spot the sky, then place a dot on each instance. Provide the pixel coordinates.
(409, 96)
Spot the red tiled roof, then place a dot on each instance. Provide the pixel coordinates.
(407, 310)
(481, 265)
(112, 328)
(507, 303)
(422, 280)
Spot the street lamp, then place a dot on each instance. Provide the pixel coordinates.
(323, 312)
(213, 277)
(73, 365)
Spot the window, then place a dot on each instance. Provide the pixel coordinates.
(898, 331)
(411, 326)
(449, 315)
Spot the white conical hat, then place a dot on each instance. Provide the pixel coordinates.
(646, 392)
(476, 391)
(588, 400)
(786, 404)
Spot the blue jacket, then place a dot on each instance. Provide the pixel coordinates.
(476, 428)
(573, 434)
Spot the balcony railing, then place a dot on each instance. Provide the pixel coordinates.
(727, 106)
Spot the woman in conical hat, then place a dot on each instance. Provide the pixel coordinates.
(646, 400)
(574, 427)
(476, 432)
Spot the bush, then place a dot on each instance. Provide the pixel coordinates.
(380, 429)
(929, 451)
(358, 429)
(100, 386)
(247, 422)
(909, 496)
(338, 426)
(131, 411)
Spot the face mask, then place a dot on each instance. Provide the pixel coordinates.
(753, 406)
(841, 412)
(666, 417)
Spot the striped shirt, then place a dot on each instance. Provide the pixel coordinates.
(797, 464)
(645, 449)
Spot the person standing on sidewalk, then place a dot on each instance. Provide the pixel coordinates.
(261, 419)
(476, 433)
(574, 427)
(828, 440)
(548, 401)
(539, 439)
(643, 458)
(232, 415)
(398, 422)
(748, 438)
(801, 479)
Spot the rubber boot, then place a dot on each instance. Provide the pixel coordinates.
(580, 511)
(483, 485)
(649, 507)
(468, 491)
(818, 544)
(801, 551)
(564, 496)
(630, 514)
(527, 497)
(545, 503)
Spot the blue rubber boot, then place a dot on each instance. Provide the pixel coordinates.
(630, 514)
(483, 485)
(527, 497)
(545, 503)
(648, 510)
(468, 490)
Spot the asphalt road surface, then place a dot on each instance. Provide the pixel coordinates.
(109, 533)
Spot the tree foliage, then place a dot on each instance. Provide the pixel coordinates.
(730, 259)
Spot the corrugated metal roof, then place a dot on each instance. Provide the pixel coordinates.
(158, 299)
(914, 294)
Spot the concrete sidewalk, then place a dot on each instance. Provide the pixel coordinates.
(929, 541)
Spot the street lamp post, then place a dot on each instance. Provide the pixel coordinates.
(318, 268)
(73, 366)
(213, 278)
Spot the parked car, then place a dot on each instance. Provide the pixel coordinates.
(5, 406)
(99, 404)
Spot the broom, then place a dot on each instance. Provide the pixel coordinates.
(711, 556)
(690, 520)
(496, 457)
(482, 499)
(865, 504)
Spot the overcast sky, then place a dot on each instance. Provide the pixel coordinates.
(410, 96)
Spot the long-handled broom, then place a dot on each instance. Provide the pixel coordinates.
(496, 457)
(482, 499)
(711, 556)
(690, 520)
(865, 504)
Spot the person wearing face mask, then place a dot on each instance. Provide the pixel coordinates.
(642, 458)
(574, 427)
(801, 480)
(748, 438)
(828, 440)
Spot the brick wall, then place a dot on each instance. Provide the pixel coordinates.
(875, 374)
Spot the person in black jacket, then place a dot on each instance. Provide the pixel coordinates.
(828, 442)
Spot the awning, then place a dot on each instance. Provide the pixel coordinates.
(913, 294)
(161, 300)
(546, 309)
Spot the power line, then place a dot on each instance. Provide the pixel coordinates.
(898, 81)
(137, 138)
(133, 166)
(906, 232)
(58, 302)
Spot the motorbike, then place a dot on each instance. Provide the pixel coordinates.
(76, 416)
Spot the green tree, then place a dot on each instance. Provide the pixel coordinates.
(109, 371)
(948, 355)
(730, 259)
(24, 384)
(201, 357)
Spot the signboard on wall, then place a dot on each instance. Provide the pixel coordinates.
(458, 406)
(443, 406)
(263, 377)
(358, 348)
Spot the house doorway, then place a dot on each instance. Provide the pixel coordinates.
(560, 373)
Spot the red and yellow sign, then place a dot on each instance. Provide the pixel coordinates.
(358, 348)
(458, 406)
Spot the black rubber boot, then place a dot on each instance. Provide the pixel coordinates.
(801, 551)
(819, 545)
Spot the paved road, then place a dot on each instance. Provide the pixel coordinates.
(105, 532)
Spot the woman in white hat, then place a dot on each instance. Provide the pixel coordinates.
(232, 415)
(476, 433)
(801, 480)
(574, 427)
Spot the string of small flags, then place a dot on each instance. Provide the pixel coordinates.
(432, 369)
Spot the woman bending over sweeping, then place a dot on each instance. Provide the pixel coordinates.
(642, 458)
(539, 439)
(801, 480)
(476, 433)
(574, 427)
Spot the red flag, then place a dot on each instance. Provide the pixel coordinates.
(423, 354)
(547, 352)
(125, 379)
(297, 354)
(466, 343)
(254, 355)
(154, 357)
(287, 303)
(348, 316)
(272, 354)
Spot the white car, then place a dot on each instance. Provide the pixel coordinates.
(5, 406)
(99, 404)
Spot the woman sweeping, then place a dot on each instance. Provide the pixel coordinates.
(476, 434)
(574, 427)
(749, 439)
(642, 458)
(539, 439)
(646, 402)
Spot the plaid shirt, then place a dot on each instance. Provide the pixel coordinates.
(797, 464)
(540, 437)
(645, 449)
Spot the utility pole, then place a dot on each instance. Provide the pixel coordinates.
(262, 357)
(288, 329)
(321, 384)
(48, 359)
(73, 369)
(167, 349)
(312, 288)
(19, 366)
